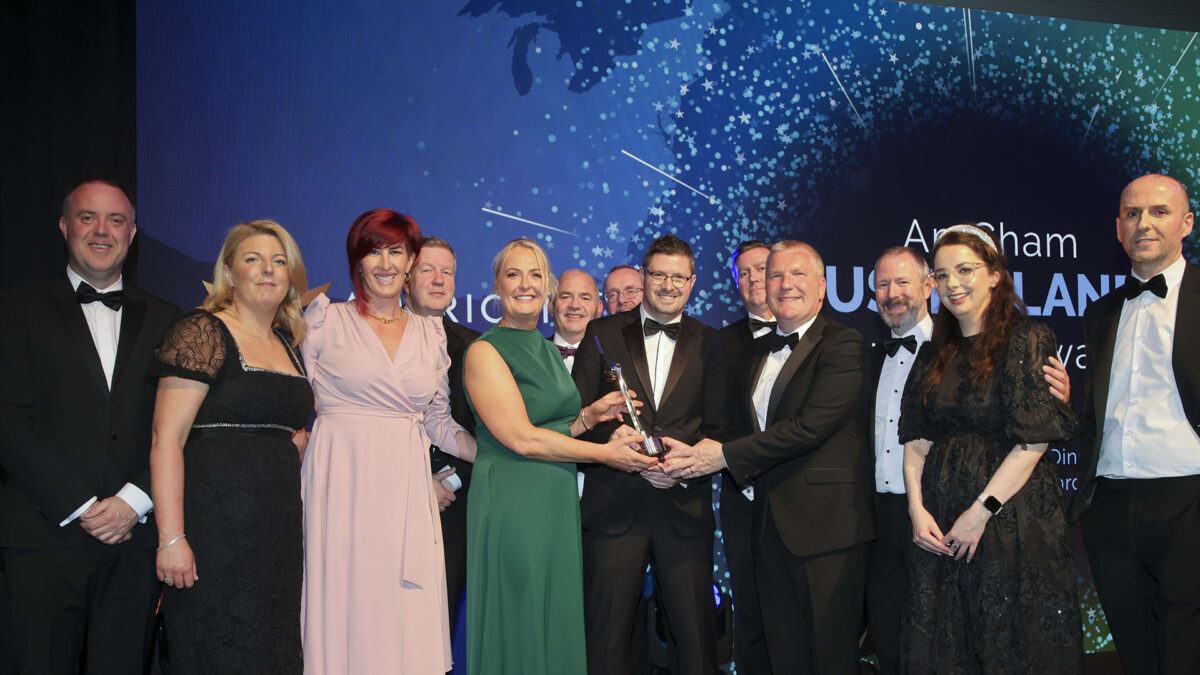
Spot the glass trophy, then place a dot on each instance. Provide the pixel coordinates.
(652, 446)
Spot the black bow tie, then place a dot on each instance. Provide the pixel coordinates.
(566, 352)
(756, 324)
(893, 345)
(1156, 285)
(85, 294)
(775, 341)
(671, 330)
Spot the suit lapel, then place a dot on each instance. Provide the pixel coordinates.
(1105, 342)
(811, 337)
(76, 326)
(753, 373)
(687, 345)
(635, 343)
(1187, 335)
(133, 315)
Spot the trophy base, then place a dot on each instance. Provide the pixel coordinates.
(652, 446)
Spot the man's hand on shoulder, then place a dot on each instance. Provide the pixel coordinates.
(109, 520)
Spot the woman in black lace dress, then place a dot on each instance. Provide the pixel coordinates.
(225, 463)
(992, 589)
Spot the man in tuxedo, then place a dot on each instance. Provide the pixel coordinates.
(573, 307)
(429, 291)
(75, 418)
(623, 289)
(1140, 494)
(799, 398)
(676, 367)
(737, 508)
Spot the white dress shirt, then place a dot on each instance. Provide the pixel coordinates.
(889, 451)
(569, 361)
(105, 326)
(660, 349)
(770, 372)
(1146, 433)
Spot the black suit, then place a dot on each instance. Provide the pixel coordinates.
(1143, 535)
(627, 522)
(64, 438)
(887, 571)
(737, 517)
(812, 476)
(454, 518)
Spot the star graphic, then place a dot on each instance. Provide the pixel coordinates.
(708, 84)
(744, 118)
(596, 250)
(679, 114)
(954, 60)
(674, 44)
(613, 229)
(740, 159)
(656, 211)
(608, 253)
(893, 58)
(683, 89)
(658, 106)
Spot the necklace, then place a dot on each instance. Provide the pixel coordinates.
(384, 320)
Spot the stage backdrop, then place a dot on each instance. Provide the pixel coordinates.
(596, 125)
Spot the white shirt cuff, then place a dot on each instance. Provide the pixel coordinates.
(78, 512)
(137, 500)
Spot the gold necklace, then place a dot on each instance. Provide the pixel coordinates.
(384, 320)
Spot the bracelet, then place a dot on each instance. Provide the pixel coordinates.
(182, 536)
(583, 419)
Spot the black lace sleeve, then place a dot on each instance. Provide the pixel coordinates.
(193, 348)
(912, 424)
(1032, 413)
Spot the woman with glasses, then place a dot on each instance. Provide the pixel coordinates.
(992, 588)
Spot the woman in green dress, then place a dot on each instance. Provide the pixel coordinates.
(524, 559)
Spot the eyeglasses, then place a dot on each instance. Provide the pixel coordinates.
(660, 278)
(963, 273)
(627, 293)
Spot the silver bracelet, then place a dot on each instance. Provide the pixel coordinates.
(182, 536)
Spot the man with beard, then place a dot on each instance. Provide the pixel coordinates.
(749, 643)
(429, 291)
(622, 289)
(572, 308)
(676, 367)
(902, 291)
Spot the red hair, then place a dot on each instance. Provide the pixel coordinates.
(375, 229)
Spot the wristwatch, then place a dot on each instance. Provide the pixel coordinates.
(990, 503)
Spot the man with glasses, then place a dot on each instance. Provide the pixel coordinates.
(676, 367)
(622, 289)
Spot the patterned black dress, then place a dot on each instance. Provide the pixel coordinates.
(1013, 609)
(242, 507)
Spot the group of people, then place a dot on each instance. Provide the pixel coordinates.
(141, 447)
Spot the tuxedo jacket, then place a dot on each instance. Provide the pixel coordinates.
(1100, 332)
(810, 465)
(458, 338)
(692, 407)
(64, 436)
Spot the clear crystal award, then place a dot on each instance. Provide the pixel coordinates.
(652, 446)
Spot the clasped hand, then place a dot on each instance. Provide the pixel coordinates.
(109, 520)
(961, 541)
(685, 461)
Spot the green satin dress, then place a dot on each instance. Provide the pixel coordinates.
(524, 556)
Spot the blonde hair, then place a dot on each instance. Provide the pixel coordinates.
(550, 286)
(220, 297)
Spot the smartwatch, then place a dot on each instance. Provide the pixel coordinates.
(990, 503)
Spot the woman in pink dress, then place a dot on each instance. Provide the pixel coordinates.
(374, 580)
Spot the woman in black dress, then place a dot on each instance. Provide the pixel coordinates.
(225, 463)
(992, 589)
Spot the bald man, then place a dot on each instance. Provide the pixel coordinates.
(1141, 483)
